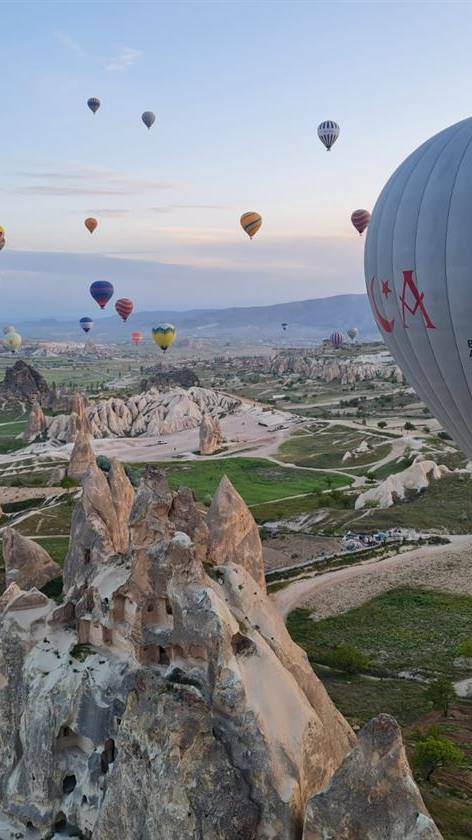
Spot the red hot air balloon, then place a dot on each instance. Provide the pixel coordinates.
(336, 339)
(360, 219)
(136, 338)
(124, 307)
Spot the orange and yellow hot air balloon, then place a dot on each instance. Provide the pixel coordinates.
(90, 224)
(251, 222)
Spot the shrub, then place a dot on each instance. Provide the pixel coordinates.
(347, 658)
(409, 426)
(444, 436)
(441, 693)
(433, 752)
(465, 649)
(103, 463)
(382, 424)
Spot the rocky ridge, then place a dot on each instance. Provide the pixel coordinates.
(395, 487)
(344, 371)
(163, 698)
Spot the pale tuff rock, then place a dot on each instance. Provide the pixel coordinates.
(15, 599)
(27, 563)
(233, 533)
(36, 423)
(99, 523)
(63, 427)
(211, 437)
(345, 371)
(82, 455)
(373, 795)
(415, 478)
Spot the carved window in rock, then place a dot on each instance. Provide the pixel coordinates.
(108, 755)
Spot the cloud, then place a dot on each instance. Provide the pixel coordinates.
(86, 181)
(109, 213)
(66, 41)
(170, 207)
(125, 58)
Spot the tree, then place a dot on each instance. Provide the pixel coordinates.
(382, 424)
(409, 426)
(433, 752)
(465, 649)
(441, 692)
(348, 658)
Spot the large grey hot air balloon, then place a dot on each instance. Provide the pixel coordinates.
(418, 268)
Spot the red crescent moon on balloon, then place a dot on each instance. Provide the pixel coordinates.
(384, 323)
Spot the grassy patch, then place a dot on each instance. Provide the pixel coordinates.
(399, 630)
(47, 521)
(256, 479)
(447, 503)
(360, 698)
(325, 449)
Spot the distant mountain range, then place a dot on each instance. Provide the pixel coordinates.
(307, 319)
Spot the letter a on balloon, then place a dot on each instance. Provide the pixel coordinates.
(416, 298)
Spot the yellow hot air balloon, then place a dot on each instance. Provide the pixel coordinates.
(90, 224)
(164, 335)
(13, 341)
(251, 222)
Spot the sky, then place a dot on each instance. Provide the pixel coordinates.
(238, 89)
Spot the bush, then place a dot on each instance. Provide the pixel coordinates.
(441, 693)
(433, 752)
(444, 436)
(465, 649)
(103, 463)
(382, 424)
(409, 426)
(347, 658)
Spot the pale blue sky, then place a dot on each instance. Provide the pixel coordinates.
(238, 89)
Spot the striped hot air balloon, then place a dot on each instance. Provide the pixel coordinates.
(251, 222)
(164, 335)
(336, 339)
(101, 291)
(124, 307)
(137, 338)
(94, 104)
(360, 219)
(86, 324)
(328, 132)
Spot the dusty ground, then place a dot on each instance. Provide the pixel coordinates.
(445, 567)
(299, 548)
(20, 494)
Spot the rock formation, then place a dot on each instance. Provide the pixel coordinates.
(27, 564)
(233, 533)
(312, 365)
(82, 455)
(211, 436)
(373, 795)
(393, 489)
(160, 701)
(163, 379)
(24, 382)
(36, 423)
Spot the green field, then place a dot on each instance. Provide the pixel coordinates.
(399, 630)
(325, 449)
(447, 503)
(48, 521)
(256, 479)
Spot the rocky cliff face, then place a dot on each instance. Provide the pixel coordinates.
(36, 423)
(26, 562)
(345, 371)
(82, 455)
(161, 378)
(24, 382)
(163, 697)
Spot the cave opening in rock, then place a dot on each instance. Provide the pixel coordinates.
(108, 755)
(87, 555)
(68, 783)
(163, 656)
(242, 645)
(60, 823)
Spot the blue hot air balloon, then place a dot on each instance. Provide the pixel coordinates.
(101, 291)
(86, 324)
(94, 104)
(148, 118)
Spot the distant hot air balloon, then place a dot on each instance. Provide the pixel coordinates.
(94, 104)
(101, 291)
(284, 325)
(13, 341)
(2, 238)
(360, 219)
(136, 338)
(9, 329)
(86, 324)
(328, 132)
(124, 307)
(353, 333)
(336, 339)
(418, 269)
(164, 335)
(90, 224)
(251, 222)
(148, 118)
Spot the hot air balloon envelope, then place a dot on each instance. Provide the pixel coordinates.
(336, 339)
(251, 222)
(90, 224)
(136, 338)
(2, 238)
(418, 269)
(164, 335)
(94, 104)
(284, 326)
(148, 118)
(353, 333)
(101, 291)
(124, 307)
(8, 329)
(13, 341)
(360, 219)
(328, 132)
(86, 324)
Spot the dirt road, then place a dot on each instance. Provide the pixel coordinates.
(445, 567)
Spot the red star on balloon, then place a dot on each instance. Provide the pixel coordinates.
(386, 290)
